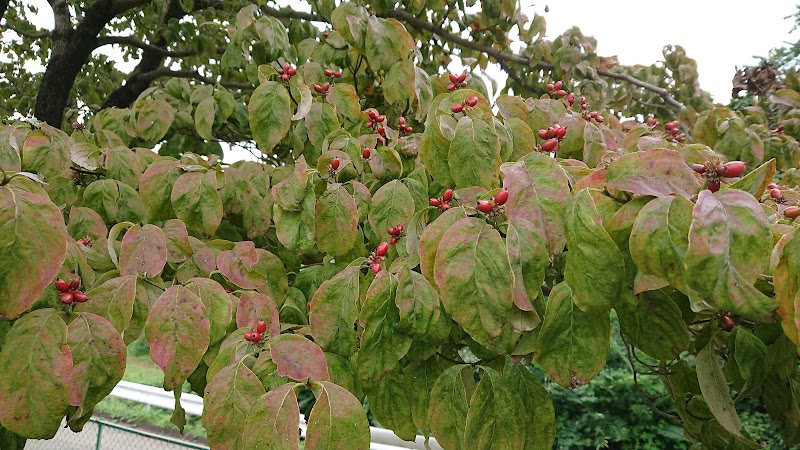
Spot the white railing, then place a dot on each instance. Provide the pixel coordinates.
(382, 439)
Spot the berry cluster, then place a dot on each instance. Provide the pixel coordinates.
(777, 130)
(556, 89)
(589, 115)
(375, 122)
(652, 122)
(287, 72)
(775, 193)
(374, 259)
(674, 132)
(395, 233)
(443, 202)
(401, 125)
(70, 292)
(466, 104)
(255, 336)
(552, 136)
(332, 73)
(78, 126)
(86, 240)
(712, 171)
(492, 208)
(457, 81)
(323, 88)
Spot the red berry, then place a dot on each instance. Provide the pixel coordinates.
(62, 285)
(369, 124)
(381, 130)
(261, 327)
(463, 84)
(561, 132)
(337, 74)
(472, 101)
(292, 71)
(381, 139)
(457, 108)
(391, 230)
(792, 212)
(376, 267)
(79, 297)
(393, 241)
(326, 86)
(335, 163)
(727, 322)
(669, 126)
(699, 168)
(399, 228)
(453, 78)
(435, 202)
(445, 206)
(451, 87)
(571, 98)
(366, 153)
(583, 100)
(409, 130)
(74, 285)
(485, 207)
(501, 197)
(328, 72)
(558, 85)
(308, 305)
(66, 298)
(550, 145)
(447, 196)
(380, 119)
(772, 186)
(542, 134)
(561, 92)
(775, 193)
(599, 118)
(383, 249)
(462, 77)
(317, 87)
(551, 133)
(372, 115)
(550, 87)
(401, 120)
(713, 185)
(735, 168)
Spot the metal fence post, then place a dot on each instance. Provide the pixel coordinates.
(99, 435)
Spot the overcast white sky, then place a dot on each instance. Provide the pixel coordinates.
(718, 34)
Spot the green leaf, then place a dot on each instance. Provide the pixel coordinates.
(750, 354)
(434, 148)
(337, 420)
(298, 358)
(417, 302)
(252, 268)
(114, 201)
(33, 241)
(474, 155)
(178, 417)
(228, 399)
(123, 165)
(757, 180)
(345, 99)
(98, 358)
(113, 300)
(177, 332)
(391, 404)
(495, 417)
(382, 344)
(392, 204)
(334, 311)
(432, 237)
(475, 278)
(658, 172)
(540, 417)
(522, 137)
(653, 322)
(447, 413)
(218, 306)
(572, 344)
(273, 421)
(204, 118)
(86, 155)
(154, 119)
(595, 268)
(35, 368)
(398, 85)
(270, 114)
(787, 285)
(715, 390)
(729, 244)
(143, 252)
(336, 221)
(387, 42)
(155, 187)
(529, 260)
(538, 191)
(295, 228)
(421, 379)
(197, 203)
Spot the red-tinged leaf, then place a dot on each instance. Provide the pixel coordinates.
(572, 344)
(448, 408)
(112, 300)
(529, 260)
(658, 172)
(387, 41)
(35, 371)
(218, 306)
(201, 264)
(115, 201)
(787, 286)
(432, 237)
(382, 344)
(86, 222)
(253, 307)
(337, 420)
(155, 187)
(298, 358)
(336, 221)
(235, 264)
(729, 244)
(196, 201)
(33, 241)
(392, 204)
(177, 332)
(320, 121)
(98, 355)
(229, 397)
(273, 421)
(179, 248)
(538, 191)
(334, 311)
(146, 296)
(144, 251)
(474, 154)
(595, 267)
(122, 164)
(475, 278)
(418, 303)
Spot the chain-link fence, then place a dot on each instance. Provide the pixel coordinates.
(102, 435)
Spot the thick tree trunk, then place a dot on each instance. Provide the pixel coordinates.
(126, 94)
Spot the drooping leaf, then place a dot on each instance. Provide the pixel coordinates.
(218, 305)
(177, 332)
(144, 251)
(392, 204)
(298, 358)
(270, 114)
(474, 154)
(496, 414)
(155, 187)
(204, 118)
(337, 420)
(653, 322)
(715, 390)
(228, 399)
(432, 237)
(787, 286)
(447, 413)
(113, 300)
(540, 418)
(658, 172)
(334, 311)
(387, 42)
(417, 302)
(273, 421)
(197, 203)
(391, 404)
(336, 221)
(528, 256)
(154, 119)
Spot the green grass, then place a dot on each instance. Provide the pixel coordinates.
(141, 369)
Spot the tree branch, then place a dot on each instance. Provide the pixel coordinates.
(131, 42)
(191, 74)
(661, 92)
(28, 34)
(292, 14)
